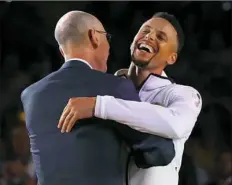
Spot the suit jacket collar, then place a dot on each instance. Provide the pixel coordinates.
(76, 62)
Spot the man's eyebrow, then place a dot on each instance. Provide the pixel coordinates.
(158, 31)
(147, 26)
(164, 34)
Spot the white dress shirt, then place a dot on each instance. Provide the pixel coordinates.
(168, 110)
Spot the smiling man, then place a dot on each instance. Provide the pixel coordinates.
(151, 53)
(169, 110)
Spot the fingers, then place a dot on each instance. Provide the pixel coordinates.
(71, 123)
(70, 115)
(63, 116)
(67, 121)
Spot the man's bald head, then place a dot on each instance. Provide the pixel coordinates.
(82, 35)
(73, 27)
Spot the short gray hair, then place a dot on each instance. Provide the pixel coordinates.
(73, 26)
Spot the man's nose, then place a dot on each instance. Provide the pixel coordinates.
(151, 36)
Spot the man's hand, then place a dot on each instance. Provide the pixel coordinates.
(121, 72)
(76, 109)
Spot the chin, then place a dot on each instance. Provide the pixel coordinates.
(140, 63)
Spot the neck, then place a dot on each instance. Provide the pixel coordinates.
(81, 53)
(138, 75)
(83, 57)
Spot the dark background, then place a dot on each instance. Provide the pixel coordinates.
(28, 52)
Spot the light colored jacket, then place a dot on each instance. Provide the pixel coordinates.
(167, 109)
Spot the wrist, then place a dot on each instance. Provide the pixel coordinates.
(93, 103)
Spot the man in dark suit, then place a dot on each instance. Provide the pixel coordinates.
(92, 153)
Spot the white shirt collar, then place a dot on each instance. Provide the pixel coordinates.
(81, 60)
(164, 74)
(155, 81)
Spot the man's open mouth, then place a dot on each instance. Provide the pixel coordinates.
(146, 48)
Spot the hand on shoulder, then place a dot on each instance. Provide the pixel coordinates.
(121, 72)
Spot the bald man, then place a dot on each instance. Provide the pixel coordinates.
(92, 154)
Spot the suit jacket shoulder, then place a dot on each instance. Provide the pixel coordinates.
(118, 87)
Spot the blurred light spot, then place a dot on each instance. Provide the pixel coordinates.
(22, 116)
(226, 6)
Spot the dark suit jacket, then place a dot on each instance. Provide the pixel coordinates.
(90, 154)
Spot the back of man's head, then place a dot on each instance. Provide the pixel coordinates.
(82, 35)
(73, 26)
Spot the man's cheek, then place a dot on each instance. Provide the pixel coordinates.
(132, 48)
(137, 37)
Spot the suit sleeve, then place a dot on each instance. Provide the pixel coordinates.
(148, 150)
(174, 121)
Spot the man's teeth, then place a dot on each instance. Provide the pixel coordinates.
(146, 47)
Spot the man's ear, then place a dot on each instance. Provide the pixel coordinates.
(172, 59)
(94, 38)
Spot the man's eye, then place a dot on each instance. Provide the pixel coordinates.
(160, 37)
(146, 31)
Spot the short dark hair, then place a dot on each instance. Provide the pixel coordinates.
(175, 23)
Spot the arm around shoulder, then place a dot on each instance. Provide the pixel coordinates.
(148, 150)
(176, 120)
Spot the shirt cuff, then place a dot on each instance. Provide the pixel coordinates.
(100, 107)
